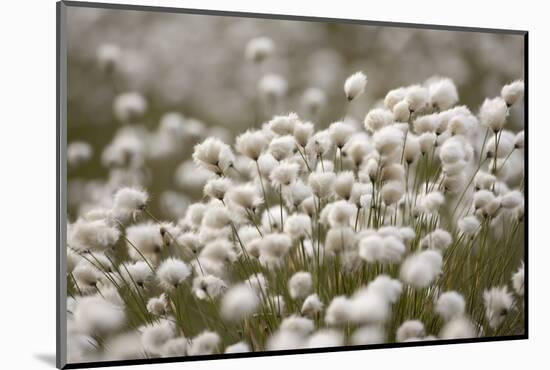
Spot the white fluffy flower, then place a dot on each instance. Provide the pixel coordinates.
(259, 48)
(156, 335)
(340, 311)
(498, 302)
(282, 147)
(96, 235)
(272, 86)
(325, 338)
(298, 226)
(469, 225)
(417, 98)
(421, 269)
(450, 305)
(172, 272)
(276, 245)
(312, 305)
(518, 279)
(94, 315)
(322, 183)
(492, 113)
(410, 330)
(355, 85)
(239, 347)
(205, 343)
(213, 155)
(388, 139)
(378, 118)
(297, 324)
(239, 302)
(375, 248)
(438, 239)
(369, 334)
(340, 133)
(300, 285)
(443, 93)
(340, 213)
(217, 187)
(284, 174)
(129, 106)
(458, 328)
(158, 305)
(513, 92)
(130, 200)
(175, 347)
(251, 144)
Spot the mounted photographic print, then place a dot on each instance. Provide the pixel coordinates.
(234, 185)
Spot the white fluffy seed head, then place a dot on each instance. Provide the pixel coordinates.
(378, 118)
(276, 245)
(340, 213)
(314, 99)
(283, 125)
(443, 93)
(217, 187)
(282, 147)
(258, 49)
(458, 328)
(340, 133)
(325, 338)
(297, 324)
(172, 272)
(239, 347)
(298, 226)
(343, 184)
(272, 87)
(284, 174)
(518, 280)
(469, 225)
(513, 92)
(239, 302)
(519, 141)
(417, 98)
(368, 334)
(340, 311)
(438, 239)
(401, 111)
(300, 285)
(339, 239)
(511, 199)
(410, 329)
(205, 343)
(251, 144)
(492, 113)
(130, 200)
(355, 85)
(450, 305)
(421, 269)
(322, 183)
(392, 192)
(312, 305)
(388, 139)
(213, 155)
(498, 302)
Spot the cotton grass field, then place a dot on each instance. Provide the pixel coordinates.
(332, 213)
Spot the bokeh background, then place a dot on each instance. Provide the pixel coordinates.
(195, 65)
